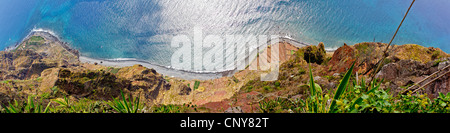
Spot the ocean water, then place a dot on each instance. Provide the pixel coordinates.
(143, 29)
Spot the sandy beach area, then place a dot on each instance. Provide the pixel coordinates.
(187, 75)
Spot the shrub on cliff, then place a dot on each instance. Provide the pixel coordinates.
(314, 54)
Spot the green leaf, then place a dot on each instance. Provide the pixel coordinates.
(441, 95)
(357, 101)
(136, 105)
(12, 109)
(60, 102)
(127, 109)
(364, 96)
(196, 85)
(38, 110)
(357, 91)
(363, 84)
(374, 89)
(318, 88)
(443, 104)
(30, 105)
(312, 87)
(47, 108)
(125, 106)
(8, 109)
(114, 105)
(341, 88)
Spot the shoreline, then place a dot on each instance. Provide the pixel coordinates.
(165, 70)
(178, 73)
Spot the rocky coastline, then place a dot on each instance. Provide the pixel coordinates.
(47, 68)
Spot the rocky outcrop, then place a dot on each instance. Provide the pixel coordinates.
(185, 90)
(404, 73)
(106, 83)
(417, 53)
(145, 80)
(403, 66)
(407, 72)
(441, 85)
(42, 65)
(50, 48)
(22, 64)
(342, 59)
(97, 85)
(54, 69)
(33, 56)
(368, 54)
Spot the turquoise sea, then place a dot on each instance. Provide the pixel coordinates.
(143, 29)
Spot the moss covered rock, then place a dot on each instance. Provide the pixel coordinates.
(91, 84)
(417, 53)
(144, 80)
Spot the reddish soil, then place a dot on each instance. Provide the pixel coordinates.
(247, 102)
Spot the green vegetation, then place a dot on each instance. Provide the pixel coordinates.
(36, 39)
(348, 97)
(435, 55)
(301, 71)
(26, 107)
(363, 48)
(353, 97)
(277, 83)
(275, 106)
(124, 106)
(174, 108)
(66, 105)
(267, 89)
(113, 70)
(235, 80)
(340, 90)
(436, 62)
(314, 54)
(196, 85)
(249, 89)
(5, 81)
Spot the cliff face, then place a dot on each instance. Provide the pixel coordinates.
(342, 59)
(46, 67)
(405, 73)
(42, 65)
(405, 65)
(21, 64)
(105, 83)
(33, 56)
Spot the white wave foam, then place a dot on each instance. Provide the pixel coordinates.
(122, 59)
(44, 30)
(331, 49)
